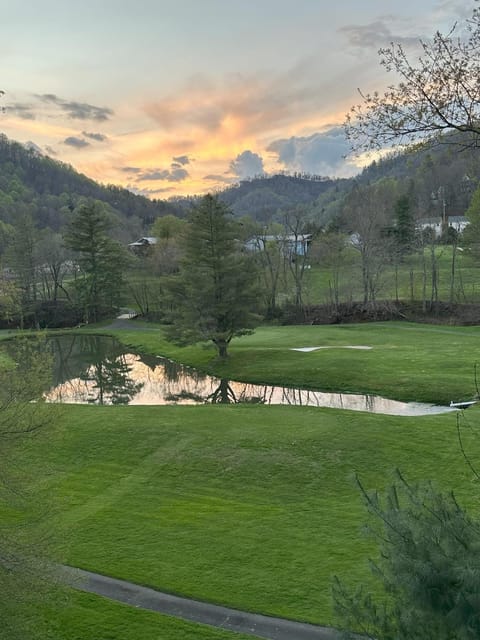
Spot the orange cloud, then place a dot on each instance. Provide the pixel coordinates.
(237, 106)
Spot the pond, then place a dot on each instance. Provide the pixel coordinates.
(100, 370)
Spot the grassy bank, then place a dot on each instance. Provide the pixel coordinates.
(254, 507)
(407, 361)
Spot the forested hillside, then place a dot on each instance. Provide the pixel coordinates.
(436, 178)
(263, 197)
(48, 191)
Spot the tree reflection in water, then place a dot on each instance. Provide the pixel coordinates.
(111, 381)
(94, 368)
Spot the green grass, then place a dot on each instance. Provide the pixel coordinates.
(408, 361)
(317, 279)
(88, 617)
(466, 286)
(253, 507)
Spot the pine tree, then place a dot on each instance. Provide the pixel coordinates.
(215, 293)
(101, 260)
(471, 235)
(405, 225)
(429, 569)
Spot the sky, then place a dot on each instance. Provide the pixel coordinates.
(180, 97)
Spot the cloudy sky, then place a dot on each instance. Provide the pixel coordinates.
(172, 97)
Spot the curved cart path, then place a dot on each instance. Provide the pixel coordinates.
(253, 624)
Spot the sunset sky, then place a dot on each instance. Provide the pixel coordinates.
(180, 97)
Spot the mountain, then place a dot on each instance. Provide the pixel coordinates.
(48, 190)
(263, 197)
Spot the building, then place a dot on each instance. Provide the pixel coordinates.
(436, 224)
(292, 245)
(143, 246)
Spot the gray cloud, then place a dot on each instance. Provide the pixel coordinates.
(321, 154)
(148, 192)
(218, 178)
(181, 159)
(247, 164)
(22, 110)
(175, 173)
(77, 110)
(375, 35)
(98, 137)
(77, 143)
(453, 9)
(154, 174)
(130, 169)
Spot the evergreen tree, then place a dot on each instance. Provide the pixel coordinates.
(471, 235)
(22, 257)
(101, 260)
(405, 225)
(215, 294)
(429, 569)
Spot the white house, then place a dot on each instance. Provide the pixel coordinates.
(295, 244)
(456, 222)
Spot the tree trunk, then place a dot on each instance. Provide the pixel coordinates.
(452, 271)
(222, 346)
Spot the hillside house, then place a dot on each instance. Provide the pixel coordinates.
(143, 246)
(291, 245)
(436, 224)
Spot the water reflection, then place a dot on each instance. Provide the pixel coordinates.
(91, 369)
(99, 370)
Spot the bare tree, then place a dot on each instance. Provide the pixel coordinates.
(295, 249)
(368, 211)
(330, 251)
(437, 92)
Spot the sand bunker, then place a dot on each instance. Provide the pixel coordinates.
(349, 346)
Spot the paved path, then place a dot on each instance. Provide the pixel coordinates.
(194, 610)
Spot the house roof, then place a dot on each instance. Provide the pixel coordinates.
(142, 242)
(439, 220)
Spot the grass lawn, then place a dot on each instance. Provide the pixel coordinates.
(408, 280)
(89, 617)
(408, 361)
(253, 507)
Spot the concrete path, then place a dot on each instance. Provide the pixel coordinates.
(253, 624)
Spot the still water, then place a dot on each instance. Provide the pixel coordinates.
(100, 370)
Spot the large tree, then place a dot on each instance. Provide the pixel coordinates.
(23, 259)
(101, 260)
(367, 214)
(437, 92)
(214, 295)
